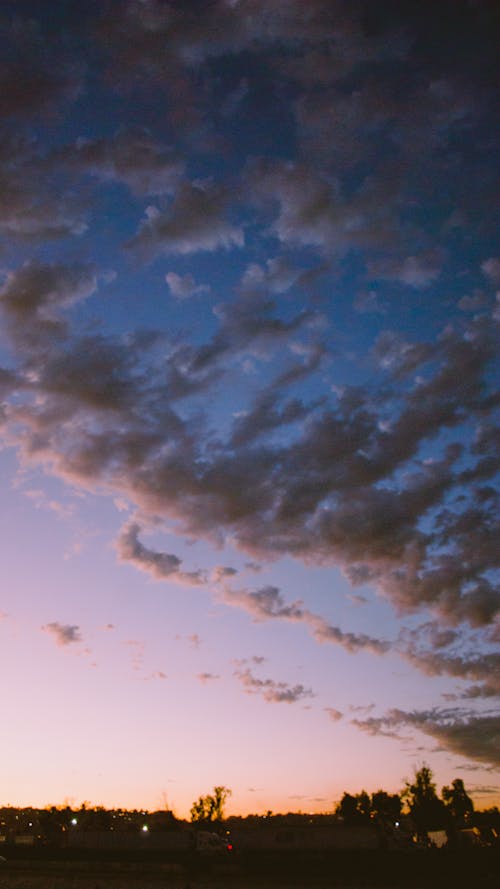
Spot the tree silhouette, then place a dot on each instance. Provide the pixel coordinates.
(355, 809)
(211, 806)
(458, 802)
(386, 805)
(427, 810)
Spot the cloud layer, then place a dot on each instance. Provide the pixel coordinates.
(322, 174)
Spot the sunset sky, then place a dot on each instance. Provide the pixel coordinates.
(248, 337)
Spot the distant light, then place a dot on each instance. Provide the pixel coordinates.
(397, 824)
(145, 828)
(74, 821)
(229, 847)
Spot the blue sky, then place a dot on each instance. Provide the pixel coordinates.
(248, 372)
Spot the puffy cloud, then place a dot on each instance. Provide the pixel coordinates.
(276, 275)
(222, 572)
(346, 486)
(464, 734)
(399, 357)
(32, 207)
(245, 325)
(363, 476)
(195, 220)
(266, 415)
(184, 286)
(414, 271)
(32, 296)
(474, 302)
(161, 566)
(491, 268)
(312, 211)
(263, 603)
(64, 634)
(132, 157)
(483, 668)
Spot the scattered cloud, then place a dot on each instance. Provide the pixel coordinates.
(271, 690)
(64, 634)
(334, 715)
(207, 677)
(156, 674)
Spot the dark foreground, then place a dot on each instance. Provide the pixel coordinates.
(432, 869)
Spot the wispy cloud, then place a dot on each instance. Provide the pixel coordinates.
(273, 691)
(207, 677)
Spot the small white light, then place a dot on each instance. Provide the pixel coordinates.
(145, 828)
(74, 821)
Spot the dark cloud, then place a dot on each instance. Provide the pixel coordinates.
(483, 668)
(33, 207)
(30, 82)
(32, 296)
(266, 415)
(312, 212)
(131, 157)
(150, 33)
(464, 734)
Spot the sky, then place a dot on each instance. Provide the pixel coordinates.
(249, 319)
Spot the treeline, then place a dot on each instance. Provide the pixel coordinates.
(419, 799)
(418, 805)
